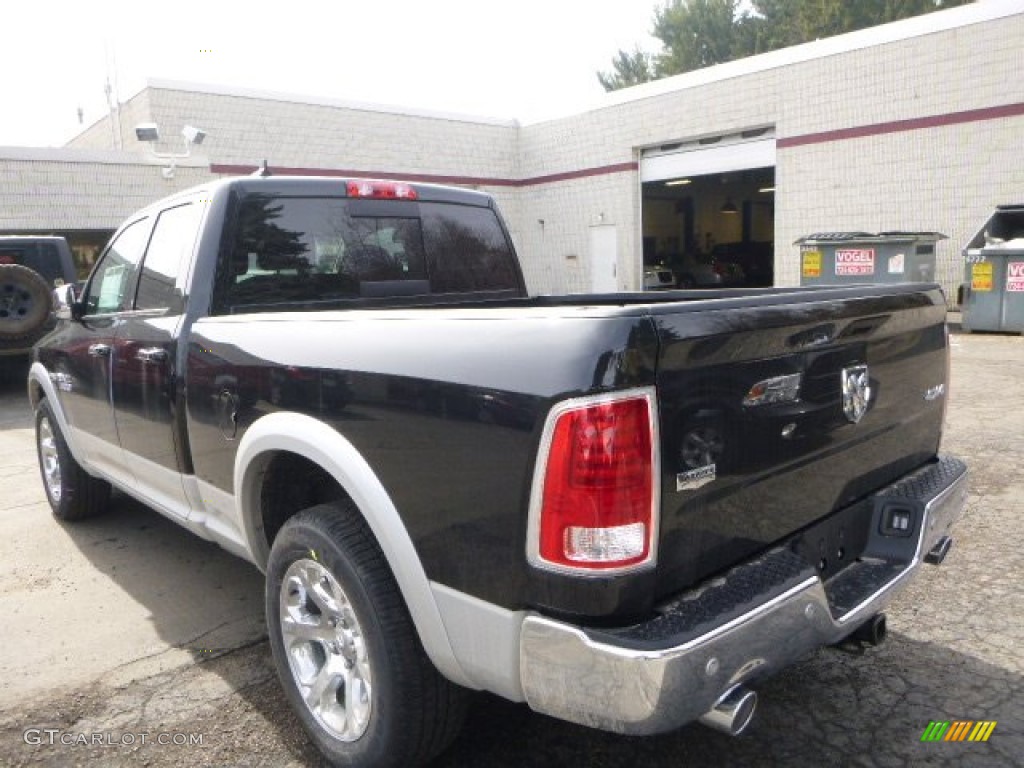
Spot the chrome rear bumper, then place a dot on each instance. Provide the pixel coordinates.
(653, 678)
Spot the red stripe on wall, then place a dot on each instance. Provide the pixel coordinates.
(897, 126)
(581, 174)
(236, 170)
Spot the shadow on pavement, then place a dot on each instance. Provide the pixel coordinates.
(14, 410)
(200, 598)
(13, 372)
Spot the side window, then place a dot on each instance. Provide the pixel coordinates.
(111, 282)
(173, 237)
(10, 254)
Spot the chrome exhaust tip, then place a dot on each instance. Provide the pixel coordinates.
(873, 631)
(733, 712)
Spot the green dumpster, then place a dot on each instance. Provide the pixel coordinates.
(993, 290)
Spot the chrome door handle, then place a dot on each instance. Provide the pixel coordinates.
(99, 350)
(151, 355)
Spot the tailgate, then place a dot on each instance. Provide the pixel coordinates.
(744, 466)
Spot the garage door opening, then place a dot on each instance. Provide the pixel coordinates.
(708, 212)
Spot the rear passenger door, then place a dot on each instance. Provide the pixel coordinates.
(147, 392)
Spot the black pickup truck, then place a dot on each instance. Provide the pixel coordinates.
(624, 510)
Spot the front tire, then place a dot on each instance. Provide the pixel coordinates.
(73, 493)
(345, 648)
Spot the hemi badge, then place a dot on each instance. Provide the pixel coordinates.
(934, 393)
(695, 478)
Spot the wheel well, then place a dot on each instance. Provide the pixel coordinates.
(35, 393)
(292, 483)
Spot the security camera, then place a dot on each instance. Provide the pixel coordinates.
(193, 135)
(147, 132)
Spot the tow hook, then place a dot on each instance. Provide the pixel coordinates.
(939, 551)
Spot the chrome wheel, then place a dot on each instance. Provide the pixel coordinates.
(326, 649)
(50, 459)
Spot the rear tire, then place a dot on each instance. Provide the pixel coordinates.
(73, 493)
(345, 648)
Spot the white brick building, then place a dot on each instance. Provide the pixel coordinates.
(917, 125)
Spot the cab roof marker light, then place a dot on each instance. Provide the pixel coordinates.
(381, 190)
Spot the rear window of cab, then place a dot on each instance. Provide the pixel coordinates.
(284, 251)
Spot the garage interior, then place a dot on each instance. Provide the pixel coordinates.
(708, 210)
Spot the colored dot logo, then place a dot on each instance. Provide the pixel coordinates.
(958, 730)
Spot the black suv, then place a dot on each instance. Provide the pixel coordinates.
(30, 268)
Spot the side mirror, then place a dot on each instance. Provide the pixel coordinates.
(65, 302)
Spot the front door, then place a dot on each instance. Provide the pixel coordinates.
(83, 364)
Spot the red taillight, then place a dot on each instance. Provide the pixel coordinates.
(594, 498)
(381, 190)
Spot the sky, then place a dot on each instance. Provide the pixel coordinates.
(527, 59)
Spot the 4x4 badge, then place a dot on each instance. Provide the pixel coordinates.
(856, 392)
